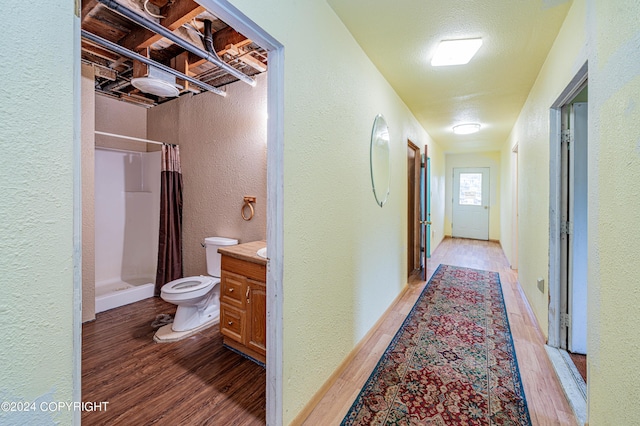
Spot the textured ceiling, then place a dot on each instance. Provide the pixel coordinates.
(401, 36)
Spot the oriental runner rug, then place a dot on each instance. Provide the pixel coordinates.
(452, 362)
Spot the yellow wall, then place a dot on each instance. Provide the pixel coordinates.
(531, 133)
(605, 33)
(614, 213)
(37, 128)
(344, 256)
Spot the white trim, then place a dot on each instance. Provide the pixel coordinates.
(574, 387)
(555, 129)
(76, 358)
(275, 204)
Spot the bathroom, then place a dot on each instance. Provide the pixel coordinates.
(223, 149)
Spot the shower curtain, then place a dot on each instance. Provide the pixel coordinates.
(170, 239)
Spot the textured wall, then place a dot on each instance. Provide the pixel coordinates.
(344, 256)
(614, 212)
(482, 159)
(223, 152)
(122, 118)
(36, 226)
(88, 194)
(531, 132)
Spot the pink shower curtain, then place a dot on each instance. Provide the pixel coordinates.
(170, 239)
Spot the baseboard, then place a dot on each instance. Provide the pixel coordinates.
(313, 402)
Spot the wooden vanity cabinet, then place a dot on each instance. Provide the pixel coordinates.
(243, 306)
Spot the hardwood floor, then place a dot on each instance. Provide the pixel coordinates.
(546, 401)
(191, 382)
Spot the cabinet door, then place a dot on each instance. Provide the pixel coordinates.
(233, 323)
(233, 289)
(257, 317)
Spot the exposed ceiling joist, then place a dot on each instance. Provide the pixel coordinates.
(175, 16)
(221, 39)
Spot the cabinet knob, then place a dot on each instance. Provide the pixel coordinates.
(230, 290)
(230, 323)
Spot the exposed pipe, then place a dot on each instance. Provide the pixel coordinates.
(159, 29)
(208, 38)
(133, 55)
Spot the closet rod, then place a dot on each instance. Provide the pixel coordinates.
(129, 137)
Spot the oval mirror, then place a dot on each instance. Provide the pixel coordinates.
(379, 160)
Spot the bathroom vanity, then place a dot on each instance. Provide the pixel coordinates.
(243, 299)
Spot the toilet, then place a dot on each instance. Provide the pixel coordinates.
(198, 297)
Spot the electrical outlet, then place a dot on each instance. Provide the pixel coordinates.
(541, 284)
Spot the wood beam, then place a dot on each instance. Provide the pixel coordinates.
(87, 7)
(221, 39)
(176, 14)
(181, 63)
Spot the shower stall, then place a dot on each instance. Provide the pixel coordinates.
(127, 214)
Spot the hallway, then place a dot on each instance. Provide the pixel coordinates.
(545, 398)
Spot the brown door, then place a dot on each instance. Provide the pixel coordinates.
(257, 316)
(413, 207)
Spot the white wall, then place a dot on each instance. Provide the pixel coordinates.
(480, 159)
(39, 238)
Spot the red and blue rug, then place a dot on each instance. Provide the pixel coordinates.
(451, 363)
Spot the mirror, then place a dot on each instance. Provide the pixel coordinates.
(379, 158)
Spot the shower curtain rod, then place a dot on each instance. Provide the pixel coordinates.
(131, 138)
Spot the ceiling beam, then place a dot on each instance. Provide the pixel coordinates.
(176, 14)
(221, 39)
(87, 7)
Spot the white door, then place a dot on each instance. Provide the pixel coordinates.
(471, 203)
(578, 205)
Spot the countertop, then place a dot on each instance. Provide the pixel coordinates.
(245, 251)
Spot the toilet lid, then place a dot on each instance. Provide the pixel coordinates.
(188, 284)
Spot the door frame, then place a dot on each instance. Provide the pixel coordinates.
(555, 203)
(275, 205)
(413, 208)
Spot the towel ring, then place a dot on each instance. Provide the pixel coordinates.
(252, 211)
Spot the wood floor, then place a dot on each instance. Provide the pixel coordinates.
(192, 382)
(198, 382)
(545, 398)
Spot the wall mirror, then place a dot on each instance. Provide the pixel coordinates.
(379, 160)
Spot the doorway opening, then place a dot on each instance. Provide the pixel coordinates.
(274, 202)
(568, 240)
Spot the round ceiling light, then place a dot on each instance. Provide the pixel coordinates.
(466, 129)
(155, 86)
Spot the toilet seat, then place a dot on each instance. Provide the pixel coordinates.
(188, 287)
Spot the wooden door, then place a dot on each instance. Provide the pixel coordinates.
(413, 207)
(257, 316)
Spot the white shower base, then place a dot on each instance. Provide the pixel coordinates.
(114, 293)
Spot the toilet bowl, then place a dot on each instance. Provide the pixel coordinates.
(198, 297)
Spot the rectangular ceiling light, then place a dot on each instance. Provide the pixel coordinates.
(455, 52)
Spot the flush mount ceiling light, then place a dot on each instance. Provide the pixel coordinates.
(455, 52)
(466, 129)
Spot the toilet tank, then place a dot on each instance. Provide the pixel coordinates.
(214, 258)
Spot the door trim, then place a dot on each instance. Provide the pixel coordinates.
(555, 201)
(413, 209)
(275, 202)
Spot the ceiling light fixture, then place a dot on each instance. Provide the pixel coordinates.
(455, 52)
(466, 129)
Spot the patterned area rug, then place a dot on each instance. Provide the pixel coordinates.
(452, 361)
